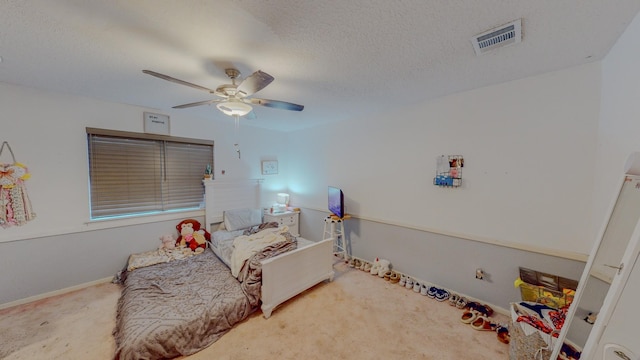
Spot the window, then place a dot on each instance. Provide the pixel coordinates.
(133, 174)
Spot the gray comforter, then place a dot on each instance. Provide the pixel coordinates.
(177, 308)
(180, 307)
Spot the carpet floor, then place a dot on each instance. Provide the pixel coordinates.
(358, 315)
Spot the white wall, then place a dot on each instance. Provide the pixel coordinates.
(618, 136)
(47, 133)
(619, 126)
(529, 148)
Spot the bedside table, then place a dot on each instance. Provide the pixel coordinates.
(289, 218)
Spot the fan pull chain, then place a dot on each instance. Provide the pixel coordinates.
(236, 120)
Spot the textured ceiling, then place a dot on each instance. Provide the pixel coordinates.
(340, 59)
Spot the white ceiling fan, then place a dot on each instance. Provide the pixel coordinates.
(235, 99)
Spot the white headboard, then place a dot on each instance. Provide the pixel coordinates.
(221, 195)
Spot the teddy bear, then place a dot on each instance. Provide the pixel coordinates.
(191, 236)
(168, 242)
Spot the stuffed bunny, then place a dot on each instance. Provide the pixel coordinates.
(168, 242)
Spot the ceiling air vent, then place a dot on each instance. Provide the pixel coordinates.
(504, 35)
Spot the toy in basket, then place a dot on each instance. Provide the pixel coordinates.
(540, 294)
(551, 290)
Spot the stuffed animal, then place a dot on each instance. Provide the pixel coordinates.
(375, 267)
(191, 236)
(168, 242)
(380, 267)
(384, 267)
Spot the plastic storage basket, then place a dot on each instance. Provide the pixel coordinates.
(542, 295)
(548, 289)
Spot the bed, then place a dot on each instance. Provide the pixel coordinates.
(180, 307)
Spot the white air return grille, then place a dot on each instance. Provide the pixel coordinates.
(501, 36)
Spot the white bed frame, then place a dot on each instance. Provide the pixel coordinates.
(285, 275)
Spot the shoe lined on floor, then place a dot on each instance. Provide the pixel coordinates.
(481, 323)
(462, 302)
(503, 334)
(442, 294)
(485, 310)
(453, 299)
(363, 264)
(469, 316)
(403, 280)
(423, 289)
(416, 287)
(394, 278)
(432, 292)
(409, 283)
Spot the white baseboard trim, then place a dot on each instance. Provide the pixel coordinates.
(54, 293)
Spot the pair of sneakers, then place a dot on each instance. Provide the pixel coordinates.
(422, 289)
(476, 312)
(438, 294)
(403, 280)
(407, 283)
(419, 288)
(360, 264)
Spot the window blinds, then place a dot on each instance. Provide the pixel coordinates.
(134, 175)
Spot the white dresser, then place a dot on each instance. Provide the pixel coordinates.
(289, 218)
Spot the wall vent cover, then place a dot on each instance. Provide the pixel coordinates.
(501, 36)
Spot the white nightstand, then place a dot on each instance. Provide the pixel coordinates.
(289, 218)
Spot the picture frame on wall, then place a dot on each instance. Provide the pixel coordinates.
(156, 123)
(269, 167)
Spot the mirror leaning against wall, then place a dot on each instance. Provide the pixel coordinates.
(584, 320)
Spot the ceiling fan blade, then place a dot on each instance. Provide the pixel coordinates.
(177, 81)
(276, 104)
(255, 82)
(206, 102)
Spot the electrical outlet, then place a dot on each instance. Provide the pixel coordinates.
(479, 274)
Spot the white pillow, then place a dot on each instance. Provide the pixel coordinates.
(242, 218)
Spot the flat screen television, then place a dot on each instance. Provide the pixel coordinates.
(336, 201)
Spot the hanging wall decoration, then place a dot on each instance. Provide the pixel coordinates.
(449, 171)
(15, 206)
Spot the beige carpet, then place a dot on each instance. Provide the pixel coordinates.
(357, 316)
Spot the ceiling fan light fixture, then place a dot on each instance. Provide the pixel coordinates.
(234, 99)
(234, 107)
